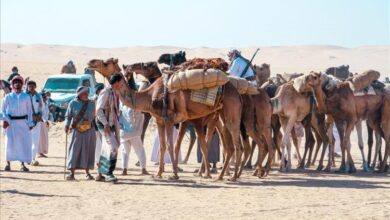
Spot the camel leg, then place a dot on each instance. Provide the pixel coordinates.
(309, 140)
(162, 138)
(180, 135)
(228, 149)
(329, 132)
(347, 143)
(287, 125)
(318, 146)
(271, 152)
(248, 164)
(203, 147)
(370, 142)
(190, 146)
(360, 143)
(174, 160)
(341, 129)
(323, 139)
(295, 143)
(147, 118)
(378, 145)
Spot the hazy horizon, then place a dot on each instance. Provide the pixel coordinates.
(187, 24)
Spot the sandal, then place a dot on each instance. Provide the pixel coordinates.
(7, 168)
(24, 169)
(111, 178)
(70, 177)
(100, 178)
(35, 163)
(89, 177)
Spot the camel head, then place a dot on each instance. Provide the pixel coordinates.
(148, 70)
(262, 72)
(313, 79)
(105, 67)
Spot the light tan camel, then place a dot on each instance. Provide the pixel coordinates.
(150, 100)
(291, 107)
(340, 104)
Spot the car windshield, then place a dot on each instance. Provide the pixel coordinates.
(61, 85)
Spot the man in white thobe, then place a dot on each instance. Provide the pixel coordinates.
(44, 137)
(37, 110)
(238, 65)
(17, 116)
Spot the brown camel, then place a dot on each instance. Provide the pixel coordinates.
(150, 100)
(340, 104)
(147, 67)
(258, 105)
(263, 73)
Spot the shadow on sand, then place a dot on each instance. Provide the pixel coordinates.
(33, 194)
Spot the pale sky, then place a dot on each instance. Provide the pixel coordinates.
(185, 23)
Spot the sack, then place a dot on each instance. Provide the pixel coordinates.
(363, 80)
(37, 118)
(84, 126)
(243, 86)
(206, 96)
(196, 79)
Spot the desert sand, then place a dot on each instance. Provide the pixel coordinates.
(43, 194)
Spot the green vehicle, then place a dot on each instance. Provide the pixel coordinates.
(63, 89)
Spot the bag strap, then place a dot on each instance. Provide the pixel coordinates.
(32, 104)
(80, 114)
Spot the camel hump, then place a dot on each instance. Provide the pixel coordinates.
(363, 80)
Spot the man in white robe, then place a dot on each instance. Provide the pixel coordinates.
(44, 137)
(238, 65)
(37, 109)
(17, 116)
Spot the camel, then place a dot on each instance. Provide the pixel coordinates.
(150, 80)
(172, 59)
(149, 100)
(291, 107)
(341, 72)
(340, 104)
(252, 104)
(313, 122)
(262, 72)
(68, 68)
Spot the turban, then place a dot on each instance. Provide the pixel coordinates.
(82, 89)
(17, 77)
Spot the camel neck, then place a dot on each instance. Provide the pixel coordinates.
(320, 98)
(139, 101)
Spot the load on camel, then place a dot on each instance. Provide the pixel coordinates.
(149, 100)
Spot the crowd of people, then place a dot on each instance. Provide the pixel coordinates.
(97, 129)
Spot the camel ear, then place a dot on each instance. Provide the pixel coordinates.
(115, 61)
